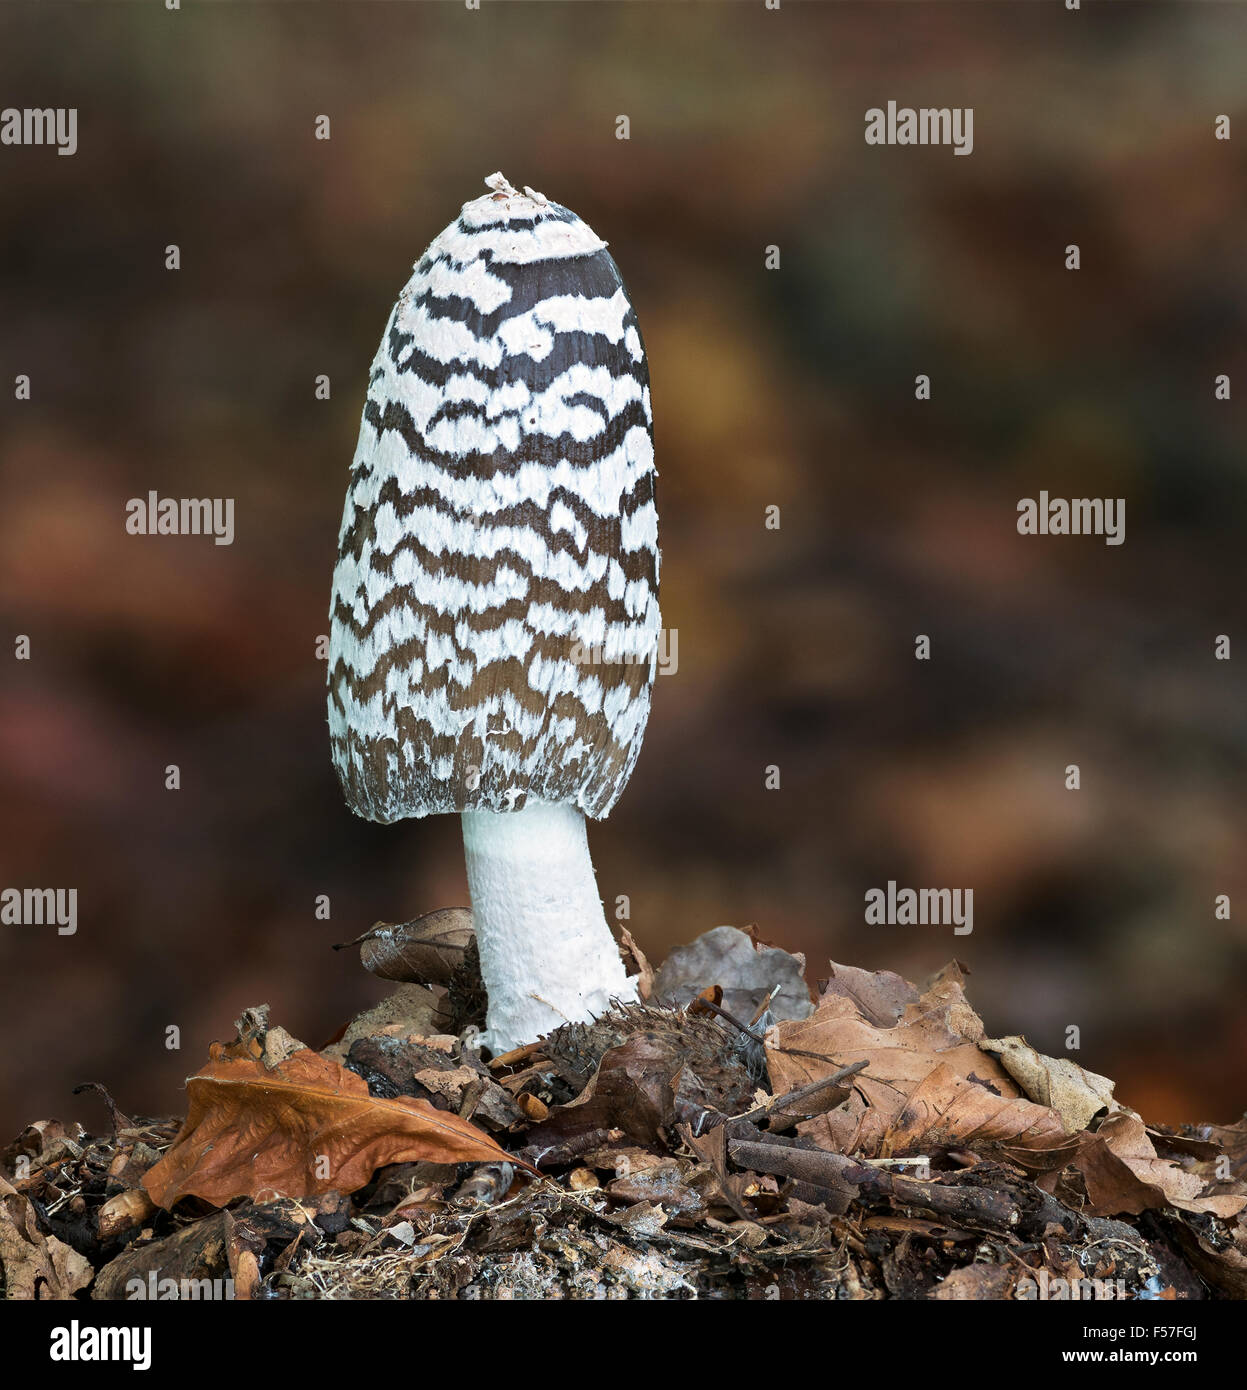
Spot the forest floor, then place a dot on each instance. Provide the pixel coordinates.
(729, 1136)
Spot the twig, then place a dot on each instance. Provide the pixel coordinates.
(792, 1098)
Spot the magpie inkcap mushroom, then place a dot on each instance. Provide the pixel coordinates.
(494, 622)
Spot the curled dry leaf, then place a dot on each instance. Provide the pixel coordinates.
(425, 951)
(748, 975)
(932, 1083)
(34, 1265)
(117, 1119)
(632, 1094)
(1232, 1140)
(1124, 1174)
(880, 996)
(301, 1128)
(1224, 1265)
(637, 965)
(533, 1108)
(926, 1082)
(1075, 1094)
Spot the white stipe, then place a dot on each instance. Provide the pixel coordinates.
(546, 952)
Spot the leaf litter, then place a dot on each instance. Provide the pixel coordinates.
(725, 1137)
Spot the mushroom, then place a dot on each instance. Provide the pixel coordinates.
(494, 618)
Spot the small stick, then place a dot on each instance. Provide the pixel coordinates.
(969, 1205)
(813, 1088)
(764, 1005)
(517, 1054)
(735, 1022)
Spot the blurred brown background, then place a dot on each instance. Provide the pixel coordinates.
(792, 387)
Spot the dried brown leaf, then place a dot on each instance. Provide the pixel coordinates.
(979, 1283)
(1077, 1095)
(946, 1110)
(425, 951)
(748, 975)
(1225, 1268)
(301, 1128)
(634, 956)
(880, 995)
(36, 1267)
(927, 1083)
(419, 1012)
(1124, 1175)
(633, 1091)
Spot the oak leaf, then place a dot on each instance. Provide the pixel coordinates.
(946, 1110)
(33, 1265)
(299, 1129)
(1124, 1175)
(1076, 1094)
(927, 1082)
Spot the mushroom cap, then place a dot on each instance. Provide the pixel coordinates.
(494, 621)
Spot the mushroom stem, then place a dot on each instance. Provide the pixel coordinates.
(547, 954)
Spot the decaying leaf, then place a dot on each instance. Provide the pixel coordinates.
(651, 1124)
(35, 1265)
(37, 1139)
(632, 1095)
(1077, 1095)
(301, 1128)
(978, 1283)
(678, 1186)
(926, 1083)
(426, 951)
(637, 965)
(934, 1082)
(436, 1068)
(748, 975)
(1224, 1267)
(1124, 1174)
(947, 1110)
(881, 996)
(711, 1148)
